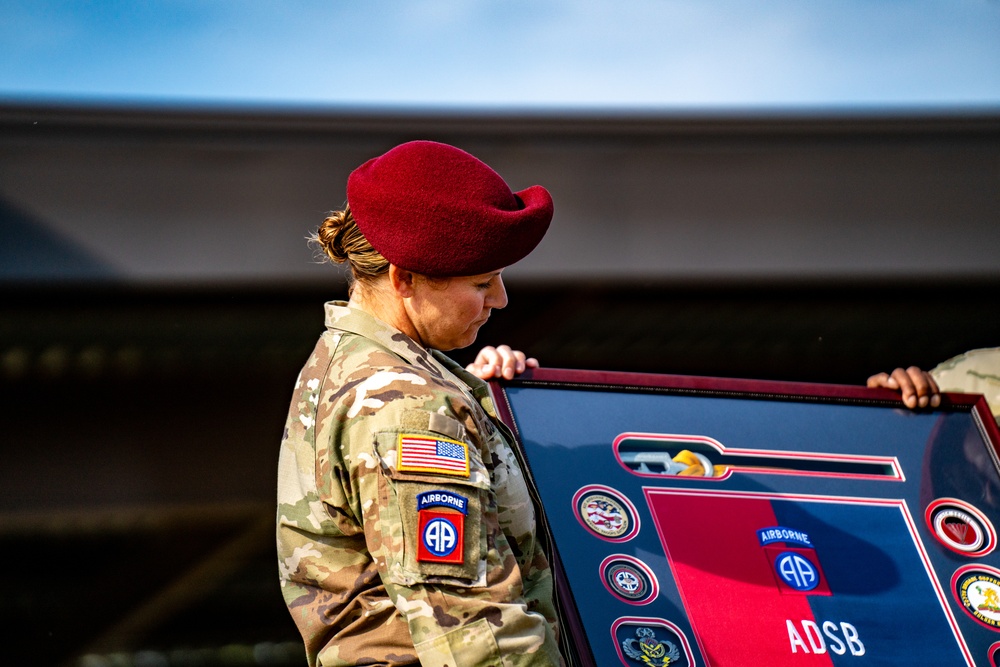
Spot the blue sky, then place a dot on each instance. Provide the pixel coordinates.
(640, 54)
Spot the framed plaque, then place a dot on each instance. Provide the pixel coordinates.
(701, 521)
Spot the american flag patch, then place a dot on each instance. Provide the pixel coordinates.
(423, 453)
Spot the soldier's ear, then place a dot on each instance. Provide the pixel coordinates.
(401, 281)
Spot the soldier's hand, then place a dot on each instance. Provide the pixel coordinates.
(917, 387)
(500, 361)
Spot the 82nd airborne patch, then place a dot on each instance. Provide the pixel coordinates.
(441, 526)
(794, 562)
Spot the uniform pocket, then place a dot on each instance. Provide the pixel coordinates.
(432, 489)
(472, 644)
(442, 530)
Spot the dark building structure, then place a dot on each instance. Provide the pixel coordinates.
(159, 297)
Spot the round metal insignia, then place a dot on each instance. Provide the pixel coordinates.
(960, 527)
(606, 513)
(629, 579)
(977, 589)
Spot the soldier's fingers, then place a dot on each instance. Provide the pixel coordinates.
(487, 355)
(882, 380)
(481, 371)
(907, 390)
(500, 361)
(521, 361)
(511, 361)
(487, 363)
(936, 397)
(923, 386)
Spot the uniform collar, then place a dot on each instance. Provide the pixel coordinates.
(341, 316)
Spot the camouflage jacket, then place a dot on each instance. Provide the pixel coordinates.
(974, 372)
(405, 530)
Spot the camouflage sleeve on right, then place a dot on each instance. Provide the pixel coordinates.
(405, 490)
(973, 372)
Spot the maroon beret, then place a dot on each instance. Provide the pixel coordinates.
(434, 209)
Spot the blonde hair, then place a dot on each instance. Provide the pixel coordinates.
(341, 241)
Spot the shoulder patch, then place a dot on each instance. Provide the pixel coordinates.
(442, 498)
(442, 531)
(442, 537)
(425, 453)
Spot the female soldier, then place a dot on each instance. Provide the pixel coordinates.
(405, 530)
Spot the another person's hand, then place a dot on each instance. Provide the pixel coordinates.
(917, 387)
(500, 361)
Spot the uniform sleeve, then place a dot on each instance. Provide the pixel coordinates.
(431, 525)
(974, 372)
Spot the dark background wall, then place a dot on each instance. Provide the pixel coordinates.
(158, 298)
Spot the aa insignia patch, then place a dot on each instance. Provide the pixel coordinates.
(794, 562)
(424, 453)
(441, 526)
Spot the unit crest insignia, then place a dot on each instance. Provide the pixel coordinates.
(977, 589)
(648, 650)
(629, 579)
(606, 513)
(650, 642)
(961, 527)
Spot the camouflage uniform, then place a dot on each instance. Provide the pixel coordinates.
(361, 570)
(975, 372)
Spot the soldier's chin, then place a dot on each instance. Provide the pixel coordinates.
(470, 337)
